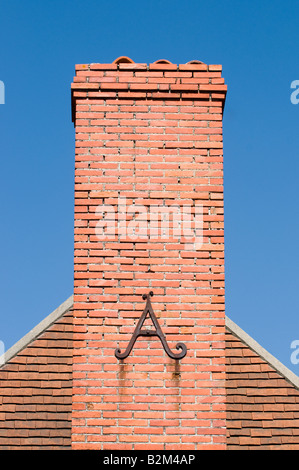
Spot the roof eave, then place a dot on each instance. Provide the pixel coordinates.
(37, 331)
(292, 378)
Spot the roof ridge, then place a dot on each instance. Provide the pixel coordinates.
(263, 353)
(37, 331)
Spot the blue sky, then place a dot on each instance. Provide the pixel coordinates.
(257, 44)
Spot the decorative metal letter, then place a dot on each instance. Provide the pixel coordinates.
(157, 332)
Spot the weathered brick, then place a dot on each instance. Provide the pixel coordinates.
(151, 132)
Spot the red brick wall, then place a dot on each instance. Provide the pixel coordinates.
(152, 134)
(36, 392)
(262, 406)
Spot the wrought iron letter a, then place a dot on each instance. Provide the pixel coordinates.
(157, 332)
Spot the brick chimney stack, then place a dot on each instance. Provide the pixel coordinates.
(148, 218)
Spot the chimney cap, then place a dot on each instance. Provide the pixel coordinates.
(162, 61)
(195, 62)
(123, 60)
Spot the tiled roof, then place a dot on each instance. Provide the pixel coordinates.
(36, 387)
(262, 403)
(36, 391)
